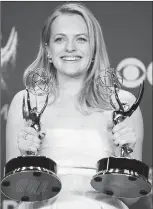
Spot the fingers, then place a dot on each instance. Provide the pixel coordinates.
(29, 140)
(25, 139)
(122, 132)
(30, 130)
(118, 127)
(127, 138)
(32, 149)
(123, 135)
(42, 135)
(27, 123)
(33, 140)
(29, 144)
(126, 123)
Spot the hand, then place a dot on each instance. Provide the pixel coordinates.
(29, 139)
(124, 135)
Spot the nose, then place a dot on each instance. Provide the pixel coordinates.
(70, 46)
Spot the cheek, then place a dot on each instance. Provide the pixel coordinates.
(87, 54)
(54, 51)
(85, 49)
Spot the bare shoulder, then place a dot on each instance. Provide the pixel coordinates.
(15, 106)
(16, 101)
(13, 125)
(18, 98)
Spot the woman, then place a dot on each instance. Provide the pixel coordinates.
(77, 122)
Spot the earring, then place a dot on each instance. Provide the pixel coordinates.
(92, 60)
(49, 58)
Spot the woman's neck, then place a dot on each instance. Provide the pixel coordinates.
(69, 87)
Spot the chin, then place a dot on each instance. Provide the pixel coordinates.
(75, 74)
(72, 72)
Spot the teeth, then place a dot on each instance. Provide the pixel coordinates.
(70, 58)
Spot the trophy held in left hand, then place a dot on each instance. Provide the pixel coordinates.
(122, 176)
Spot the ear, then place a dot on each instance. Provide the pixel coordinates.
(47, 50)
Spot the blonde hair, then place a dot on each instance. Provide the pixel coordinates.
(94, 95)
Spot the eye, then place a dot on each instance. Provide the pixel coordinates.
(81, 39)
(132, 71)
(59, 39)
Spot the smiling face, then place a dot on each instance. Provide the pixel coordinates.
(69, 45)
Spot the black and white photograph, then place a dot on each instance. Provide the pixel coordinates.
(76, 105)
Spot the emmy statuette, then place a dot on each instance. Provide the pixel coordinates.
(31, 178)
(122, 176)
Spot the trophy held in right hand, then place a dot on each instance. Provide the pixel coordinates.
(31, 178)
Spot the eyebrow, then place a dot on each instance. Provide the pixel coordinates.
(79, 34)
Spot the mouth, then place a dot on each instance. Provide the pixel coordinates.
(71, 58)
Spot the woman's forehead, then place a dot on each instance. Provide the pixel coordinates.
(69, 23)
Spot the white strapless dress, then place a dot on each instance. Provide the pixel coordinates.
(76, 153)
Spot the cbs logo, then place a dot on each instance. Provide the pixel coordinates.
(134, 72)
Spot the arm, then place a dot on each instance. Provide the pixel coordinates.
(136, 122)
(16, 143)
(14, 125)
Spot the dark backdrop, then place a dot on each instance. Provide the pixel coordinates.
(127, 28)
